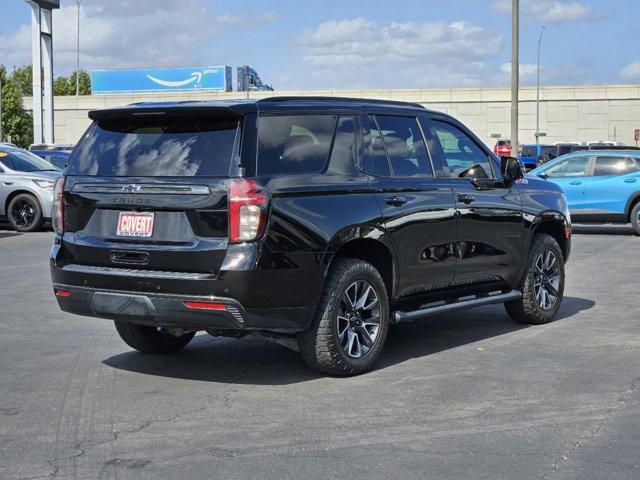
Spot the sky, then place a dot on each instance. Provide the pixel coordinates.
(323, 44)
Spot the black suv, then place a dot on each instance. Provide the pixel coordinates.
(313, 222)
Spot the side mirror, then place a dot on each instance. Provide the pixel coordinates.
(511, 170)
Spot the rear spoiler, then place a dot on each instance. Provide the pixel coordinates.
(173, 109)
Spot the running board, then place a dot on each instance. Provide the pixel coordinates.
(459, 304)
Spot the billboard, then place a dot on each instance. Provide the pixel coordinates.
(161, 79)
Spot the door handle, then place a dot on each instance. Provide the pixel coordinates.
(466, 197)
(575, 183)
(630, 180)
(395, 201)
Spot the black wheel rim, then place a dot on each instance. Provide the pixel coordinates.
(23, 213)
(546, 280)
(358, 322)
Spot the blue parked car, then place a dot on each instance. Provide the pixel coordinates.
(534, 155)
(601, 185)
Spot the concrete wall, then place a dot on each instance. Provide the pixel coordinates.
(567, 113)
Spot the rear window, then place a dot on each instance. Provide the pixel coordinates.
(294, 144)
(529, 152)
(157, 147)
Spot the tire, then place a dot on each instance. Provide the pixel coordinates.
(151, 339)
(635, 218)
(330, 344)
(24, 213)
(536, 307)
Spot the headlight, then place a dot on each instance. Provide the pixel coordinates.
(44, 183)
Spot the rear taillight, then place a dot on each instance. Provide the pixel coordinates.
(248, 205)
(57, 212)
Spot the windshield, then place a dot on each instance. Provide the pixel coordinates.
(156, 147)
(23, 161)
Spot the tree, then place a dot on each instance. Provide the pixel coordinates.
(17, 123)
(67, 85)
(85, 83)
(61, 86)
(23, 78)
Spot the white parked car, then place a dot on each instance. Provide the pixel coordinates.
(26, 188)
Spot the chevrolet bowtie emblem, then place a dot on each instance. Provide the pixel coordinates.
(131, 188)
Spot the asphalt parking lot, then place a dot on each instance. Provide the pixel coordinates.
(464, 395)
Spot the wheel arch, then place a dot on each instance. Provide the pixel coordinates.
(556, 225)
(15, 193)
(373, 251)
(633, 200)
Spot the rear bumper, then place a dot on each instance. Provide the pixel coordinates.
(273, 299)
(148, 309)
(169, 310)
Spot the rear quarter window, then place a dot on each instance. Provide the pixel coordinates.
(294, 144)
(155, 147)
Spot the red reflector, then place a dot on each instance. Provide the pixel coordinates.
(62, 293)
(205, 305)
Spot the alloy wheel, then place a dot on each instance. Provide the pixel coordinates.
(23, 213)
(358, 319)
(546, 280)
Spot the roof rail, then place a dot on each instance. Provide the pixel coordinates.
(339, 99)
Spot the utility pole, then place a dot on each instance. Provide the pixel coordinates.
(538, 90)
(78, 51)
(515, 75)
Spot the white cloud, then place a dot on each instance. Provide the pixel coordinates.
(353, 52)
(123, 33)
(631, 72)
(526, 70)
(550, 11)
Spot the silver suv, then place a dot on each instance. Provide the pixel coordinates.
(26, 188)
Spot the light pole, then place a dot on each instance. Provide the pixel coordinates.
(515, 73)
(538, 89)
(78, 50)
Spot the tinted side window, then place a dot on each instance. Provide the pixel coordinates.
(461, 156)
(405, 146)
(614, 166)
(550, 150)
(294, 144)
(375, 160)
(570, 167)
(6, 159)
